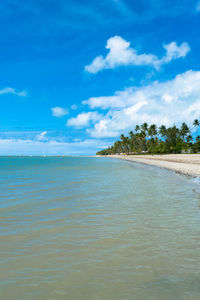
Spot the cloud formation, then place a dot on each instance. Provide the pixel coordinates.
(121, 54)
(51, 147)
(175, 100)
(59, 111)
(9, 90)
(83, 119)
(42, 136)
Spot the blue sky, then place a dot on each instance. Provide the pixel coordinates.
(74, 74)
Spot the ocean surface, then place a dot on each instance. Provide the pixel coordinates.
(93, 228)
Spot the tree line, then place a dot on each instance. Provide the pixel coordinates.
(154, 140)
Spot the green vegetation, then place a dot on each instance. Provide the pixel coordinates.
(153, 140)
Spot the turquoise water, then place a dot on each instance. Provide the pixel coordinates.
(97, 228)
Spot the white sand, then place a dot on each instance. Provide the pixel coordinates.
(188, 164)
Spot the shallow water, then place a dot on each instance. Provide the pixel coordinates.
(97, 228)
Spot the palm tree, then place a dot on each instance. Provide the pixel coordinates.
(152, 130)
(184, 131)
(170, 140)
(189, 138)
(144, 127)
(137, 128)
(125, 143)
(122, 137)
(131, 134)
(142, 141)
(198, 138)
(196, 124)
(162, 130)
(172, 136)
(152, 142)
(132, 141)
(117, 147)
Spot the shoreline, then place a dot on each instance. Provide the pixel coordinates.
(186, 164)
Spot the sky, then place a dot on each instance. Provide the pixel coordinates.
(74, 75)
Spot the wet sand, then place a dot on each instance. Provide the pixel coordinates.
(188, 164)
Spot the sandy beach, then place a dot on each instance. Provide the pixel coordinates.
(188, 164)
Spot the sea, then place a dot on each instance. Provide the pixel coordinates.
(94, 228)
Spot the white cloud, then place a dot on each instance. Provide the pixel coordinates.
(9, 90)
(59, 111)
(83, 119)
(121, 54)
(118, 100)
(168, 102)
(52, 147)
(173, 52)
(42, 136)
(113, 123)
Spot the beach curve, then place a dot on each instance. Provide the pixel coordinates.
(187, 164)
